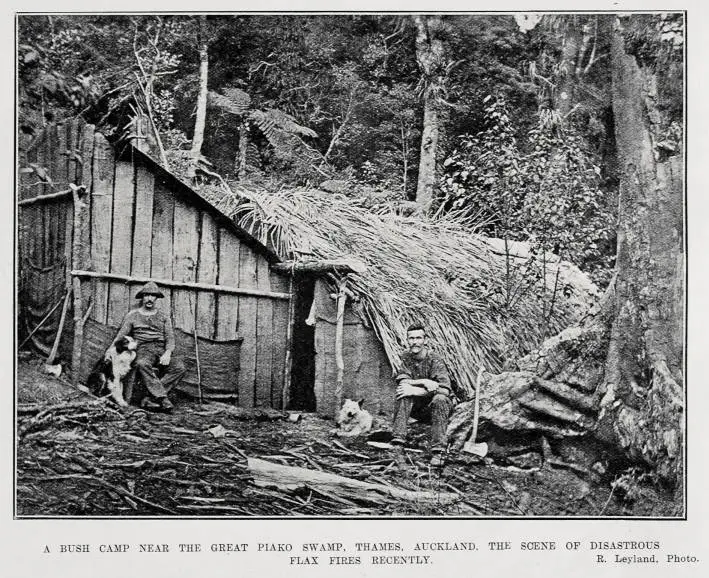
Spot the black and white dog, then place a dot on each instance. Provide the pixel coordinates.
(108, 373)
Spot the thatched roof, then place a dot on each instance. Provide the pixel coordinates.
(480, 303)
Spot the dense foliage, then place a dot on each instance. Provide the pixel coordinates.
(526, 133)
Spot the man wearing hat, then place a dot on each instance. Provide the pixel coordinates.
(152, 330)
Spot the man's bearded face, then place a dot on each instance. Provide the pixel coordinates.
(148, 301)
(416, 340)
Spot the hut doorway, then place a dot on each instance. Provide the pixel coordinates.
(302, 383)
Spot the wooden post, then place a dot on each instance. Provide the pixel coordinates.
(339, 359)
(289, 344)
(79, 210)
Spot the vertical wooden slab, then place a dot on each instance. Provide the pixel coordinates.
(207, 273)
(72, 164)
(264, 337)
(84, 177)
(280, 284)
(44, 161)
(36, 156)
(50, 146)
(56, 209)
(228, 274)
(143, 227)
(21, 186)
(101, 219)
(247, 327)
(325, 370)
(121, 241)
(31, 187)
(185, 248)
(60, 158)
(161, 257)
(34, 233)
(27, 186)
(74, 159)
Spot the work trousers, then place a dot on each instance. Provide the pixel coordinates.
(435, 407)
(157, 379)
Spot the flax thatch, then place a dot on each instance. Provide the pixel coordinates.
(480, 303)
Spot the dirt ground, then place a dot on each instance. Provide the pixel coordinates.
(79, 456)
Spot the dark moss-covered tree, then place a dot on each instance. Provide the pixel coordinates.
(614, 385)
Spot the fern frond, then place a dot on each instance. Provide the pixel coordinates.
(287, 123)
(253, 159)
(264, 123)
(234, 100)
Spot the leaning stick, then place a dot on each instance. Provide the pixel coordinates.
(60, 329)
(196, 356)
(47, 316)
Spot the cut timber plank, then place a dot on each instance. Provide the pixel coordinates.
(143, 229)
(123, 199)
(291, 478)
(101, 218)
(264, 338)
(21, 185)
(60, 167)
(72, 165)
(50, 145)
(31, 189)
(161, 255)
(26, 185)
(186, 248)
(55, 210)
(228, 305)
(84, 171)
(280, 337)
(73, 159)
(247, 327)
(207, 273)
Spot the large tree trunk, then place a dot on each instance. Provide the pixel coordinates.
(616, 381)
(201, 116)
(644, 366)
(431, 60)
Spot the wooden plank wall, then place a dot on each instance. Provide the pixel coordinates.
(143, 224)
(367, 372)
(45, 230)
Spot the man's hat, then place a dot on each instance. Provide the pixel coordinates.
(150, 288)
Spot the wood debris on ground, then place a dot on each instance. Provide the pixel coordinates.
(83, 457)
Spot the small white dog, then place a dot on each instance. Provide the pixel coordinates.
(353, 421)
(107, 376)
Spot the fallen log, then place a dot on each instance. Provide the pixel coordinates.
(290, 478)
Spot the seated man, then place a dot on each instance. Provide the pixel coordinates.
(152, 330)
(423, 391)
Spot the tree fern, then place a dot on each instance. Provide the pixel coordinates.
(234, 100)
(279, 128)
